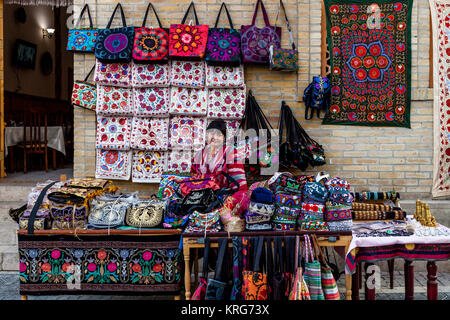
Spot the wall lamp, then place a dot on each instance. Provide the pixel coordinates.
(49, 32)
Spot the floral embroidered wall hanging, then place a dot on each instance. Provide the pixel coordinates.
(148, 165)
(187, 132)
(226, 103)
(188, 101)
(150, 75)
(179, 161)
(224, 77)
(114, 101)
(190, 74)
(113, 133)
(114, 74)
(113, 164)
(150, 102)
(150, 134)
(370, 43)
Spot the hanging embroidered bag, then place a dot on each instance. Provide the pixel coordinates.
(117, 74)
(189, 74)
(82, 40)
(150, 75)
(150, 44)
(115, 45)
(145, 213)
(114, 101)
(284, 59)
(113, 133)
(150, 134)
(224, 77)
(255, 286)
(151, 102)
(312, 273)
(186, 40)
(255, 42)
(84, 94)
(188, 101)
(217, 286)
(228, 104)
(224, 44)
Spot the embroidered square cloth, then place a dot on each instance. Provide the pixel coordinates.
(224, 77)
(188, 101)
(187, 132)
(150, 134)
(116, 74)
(148, 166)
(226, 103)
(114, 101)
(113, 133)
(189, 74)
(113, 164)
(179, 161)
(150, 75)
(150, 102)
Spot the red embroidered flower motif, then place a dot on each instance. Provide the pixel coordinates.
(186, 39)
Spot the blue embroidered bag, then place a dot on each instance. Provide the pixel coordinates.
(317, 96)
(82, 40)
(115, 45)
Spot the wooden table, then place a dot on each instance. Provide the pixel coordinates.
(195, 241)
(115, 261)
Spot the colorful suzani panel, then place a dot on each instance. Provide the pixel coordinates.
(224, 77)
(440, 14)
(150, 102)
(188, 101)
(150, 134)
(116, 74)
(113, 164)
(187, 133)
(150, 75)
(113, 133)
(190, 74)
(370, 43)
(114, 101)
(226, 103)
(179, 161)
(148, 166)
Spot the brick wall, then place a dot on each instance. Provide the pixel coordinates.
(379, 159)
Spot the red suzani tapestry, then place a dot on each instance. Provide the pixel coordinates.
(370, 44)
(440, 14)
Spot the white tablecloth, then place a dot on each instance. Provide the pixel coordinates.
(55, 137)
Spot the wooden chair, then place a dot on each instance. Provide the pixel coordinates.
(34, 141)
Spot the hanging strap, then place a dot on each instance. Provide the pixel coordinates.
(308, 249)
(192, 5)
(124, 23)
(319, 251)
(146, 14)
(291, 37)
(87, 77)
(36, 207)
(205, 257)
(220, 256)
(266, 18)
(297, 243)
(279, 254)
(228, 15)
(269, 258)
(259, 246)
(91, 25)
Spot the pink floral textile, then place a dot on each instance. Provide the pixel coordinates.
(150, 134)
(190, 74)
(116, 74)
(188, 101)
(151, 75)
(226, 103)
(113, 133)
(187, 132)
(114, 101)
(151, 102)
(113, 164)
(179, 161)
(224, 77)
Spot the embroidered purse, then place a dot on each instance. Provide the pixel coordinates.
(113, 164)
(150, 75)
(174, 217)
(284, 59)
(224, 77)
(84, 94)
(226, 103)
(146, 214)
(255, 285)
(151, 102)
(216, 287)
(113, 133)
(312, 273)
(109, 211)
(168, 185)
(317, 96)
(255, 42)
(150, 134)
(200, 292)
(188, 101)
(115, 45)
(114, 101)
(201, 200)
(188, 41)
(189, 74)
(150, 44)
(117, 74)
(204, 222)
(68, 211)
(41, 222)
(224, 44)
(148, 166)
(82, 40)
(198, 182)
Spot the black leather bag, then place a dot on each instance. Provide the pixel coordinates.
(202, 201)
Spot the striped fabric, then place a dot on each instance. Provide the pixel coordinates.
(312, 273)
(330, 289)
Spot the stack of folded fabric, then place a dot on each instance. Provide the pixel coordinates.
(312, 208)
(288, 201)
(260, 210)
(338, 212)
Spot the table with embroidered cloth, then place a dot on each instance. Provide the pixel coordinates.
(421, 244)
(116, 261)
(196, 241)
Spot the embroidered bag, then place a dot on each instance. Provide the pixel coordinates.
(236, 290)
(188, 101)
(330, 289)
(68, 211)
(109, 211)
(113, 133)
(188, 41)
(224, 77)
(148, 166)
(117, 74)
(114, 101)
(202, 201)
(150, 134)
(187, 132)
(198, 182)
(224, 44)
(82, 40)
(84, 94)
(168, 186)
(174, 217)
(317, 96)
(189, 74)
(216, 287)
(113, 164)
(146, 213)
(150, 44)
(150, 75)
(204, 222)
(226, 103)
(280, 279)
(284, 59)
(115, 45)
(255, 42)
(312, 273)
(255, 286)
(179, 160)
(298, 288)
(200, 292)
(151, 102)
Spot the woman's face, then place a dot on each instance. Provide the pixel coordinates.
(214, 138)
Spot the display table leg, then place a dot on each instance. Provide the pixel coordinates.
(177, 297)
(196, 268)
(368, 293)
(432, 285)
(356, 282)
(23, 297)
(409, 280)
(187, 272)
(391, 272)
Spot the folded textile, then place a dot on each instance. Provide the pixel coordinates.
(315, 191)
(337, 211)
(345, 225)
(262, 195)
(259, 226)
(288, 200)
(313, 226)
(284, 226)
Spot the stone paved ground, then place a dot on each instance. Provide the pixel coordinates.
(9, 289)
